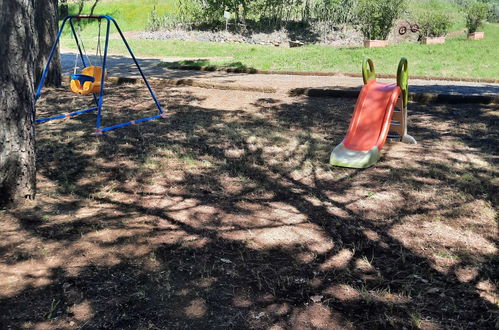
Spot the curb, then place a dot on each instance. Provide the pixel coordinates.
(210, 68)
(423, 98)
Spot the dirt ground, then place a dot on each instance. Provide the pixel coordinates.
(226, 215)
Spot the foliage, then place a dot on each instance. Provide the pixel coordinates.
(493, 13)
(275, 12)
(475, 16)
(494, 10)
(265, 15)
(191, 11)
(213, 10)
(455, 10)
(335, 11)
(156, 22)
(433, 24)
(376, 17)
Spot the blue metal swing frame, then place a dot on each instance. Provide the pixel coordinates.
(98, 100)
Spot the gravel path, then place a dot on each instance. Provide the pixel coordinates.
(124, 67)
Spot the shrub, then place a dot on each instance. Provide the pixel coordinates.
(454, 9)
(376, 17)
(475, 16)
(493, 13)
(157, 22)
(335, 11)
(434, 24)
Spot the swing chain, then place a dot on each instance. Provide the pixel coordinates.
(78, 32)
(98, 50)
(76, 63)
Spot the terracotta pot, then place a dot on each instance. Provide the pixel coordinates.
(476, 35)
(375, 43)
(432, 40)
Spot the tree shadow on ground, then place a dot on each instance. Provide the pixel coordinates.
(124, 66)
(231, 218)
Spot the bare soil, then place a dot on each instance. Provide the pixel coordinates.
(227, 215)
(320, 34)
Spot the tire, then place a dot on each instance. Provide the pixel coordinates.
(402, 30)
(414, 28)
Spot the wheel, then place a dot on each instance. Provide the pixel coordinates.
(402, 30)
(414, 28)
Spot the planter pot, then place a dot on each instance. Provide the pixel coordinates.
(375, 43)
(433, 40)
(476, 35)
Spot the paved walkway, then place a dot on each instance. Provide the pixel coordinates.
(122, 66)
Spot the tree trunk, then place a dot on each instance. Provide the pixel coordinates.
(93, 7)
(46, 28)
(63, 9)
(17, 111)
(81, 4)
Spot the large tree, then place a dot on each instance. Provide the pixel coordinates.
(17, 110)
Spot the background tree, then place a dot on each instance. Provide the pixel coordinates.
(377, 17)
(46, 28)
(63, 8)
(476, 14)
(17, 111)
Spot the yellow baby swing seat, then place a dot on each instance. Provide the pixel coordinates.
(89, 81)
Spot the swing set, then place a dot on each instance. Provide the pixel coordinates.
(91, 79)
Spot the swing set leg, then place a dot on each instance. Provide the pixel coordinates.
(65, 115)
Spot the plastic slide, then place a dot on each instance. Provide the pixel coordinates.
(372, 120)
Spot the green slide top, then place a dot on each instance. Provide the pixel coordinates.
(368, 74)
(403, 79)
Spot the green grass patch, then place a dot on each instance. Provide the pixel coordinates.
(132, 15)
(458, 57)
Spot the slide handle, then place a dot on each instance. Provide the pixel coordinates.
(368, 74)
(403, 80)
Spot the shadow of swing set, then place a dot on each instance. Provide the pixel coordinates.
(91, 79)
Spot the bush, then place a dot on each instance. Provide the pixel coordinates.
(434, 24)
(336, 12)
(493, 14)
(455, 11)
(475, 16)
(376, 17)
(157, 22)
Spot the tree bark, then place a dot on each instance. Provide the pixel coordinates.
(46, 28)
(17, 110)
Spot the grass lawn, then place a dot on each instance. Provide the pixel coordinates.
(459, 57)
(131, 15)
(226, 215)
